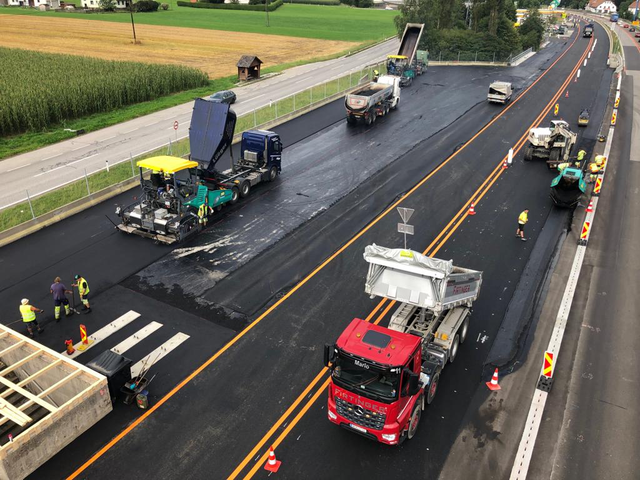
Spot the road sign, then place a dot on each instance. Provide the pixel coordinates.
(555, 110)
(405, 213)
(596, 188)
(547, 367)
(584, 234)
(406, 229)
(175, 125)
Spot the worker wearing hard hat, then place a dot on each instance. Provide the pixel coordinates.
(376, 74)
(596, 166)
(581, 155)
(563, 166)
(83, 292)
(28, 313)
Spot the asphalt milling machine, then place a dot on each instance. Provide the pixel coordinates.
(175, 189)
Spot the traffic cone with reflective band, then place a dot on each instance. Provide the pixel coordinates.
(493, 384)
(472, 210)
(505, 165)
(566, 95)
(590, 207)
(69, 345)
(272, 464)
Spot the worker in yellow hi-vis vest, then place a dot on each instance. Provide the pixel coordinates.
(204, 211)
(522, 221)
(28, 313)
(83, 292)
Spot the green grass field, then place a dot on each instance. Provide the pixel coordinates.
(307, 21)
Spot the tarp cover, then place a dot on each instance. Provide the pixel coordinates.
(109, 363)
(210, 132)
(408, 257)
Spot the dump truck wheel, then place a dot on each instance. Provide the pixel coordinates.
(351, 120)
(368, 120)
(235, 195)
(244, 189)
(453, 351)
(273, 173)
(433, 388)
(415, 421)
(464, 330)
(528, 153)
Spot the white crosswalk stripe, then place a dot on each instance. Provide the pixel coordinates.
(104, 332)
(137, 337)
(158, 353)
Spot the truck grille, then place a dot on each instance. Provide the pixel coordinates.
(360, 415)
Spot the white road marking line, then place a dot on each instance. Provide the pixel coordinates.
(105, 331)
(150, 124)
(159, 353)
(81, 159)
(137, 337)
(49, 171)
(18, 168)
(78, 148)
(108, 138)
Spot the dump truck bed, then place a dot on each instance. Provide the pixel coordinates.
(368, 95)
(412, 278)
(410, 40)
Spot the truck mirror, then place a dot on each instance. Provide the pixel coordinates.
(329, 354)
(414, 386)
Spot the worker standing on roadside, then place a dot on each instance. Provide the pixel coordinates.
(203, 212)
(522, 220)
(59, 298)
(28, 313)
(83, 292)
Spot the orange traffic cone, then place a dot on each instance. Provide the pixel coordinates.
(69, 345)
(505, 165)
(493, 384)
(472, 210)
(272, 464)
(566, 95)
(590, 207)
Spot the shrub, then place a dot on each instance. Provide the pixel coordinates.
(316, 2)
(213, 1)
(39, 91)
(358, 3)
(107, 5)
(232, 6)
(146, 6)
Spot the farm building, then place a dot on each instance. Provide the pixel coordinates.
(34, 3)
(602, 6)
(96, 4)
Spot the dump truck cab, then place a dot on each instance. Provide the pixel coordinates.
(382, 378)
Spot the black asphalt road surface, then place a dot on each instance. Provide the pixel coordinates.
(335, 180)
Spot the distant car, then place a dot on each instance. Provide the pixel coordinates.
(560, 30)
(632, 29)
(625, 26)
(223, 96)
(637, 34)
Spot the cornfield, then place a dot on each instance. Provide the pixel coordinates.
(41, 89)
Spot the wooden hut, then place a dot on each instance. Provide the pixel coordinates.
(249, 67)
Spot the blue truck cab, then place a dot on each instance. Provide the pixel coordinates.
(261, 148)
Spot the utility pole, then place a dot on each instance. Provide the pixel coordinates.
(266, 10)
(133, 25)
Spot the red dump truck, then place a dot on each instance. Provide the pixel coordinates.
(373, 100)
(383, 377)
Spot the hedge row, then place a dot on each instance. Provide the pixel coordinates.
(316, 2)
(232, 6)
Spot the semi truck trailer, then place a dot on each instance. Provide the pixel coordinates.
(373, 100)
(382, 378)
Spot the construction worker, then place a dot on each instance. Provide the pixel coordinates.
(564, 165)
(28, 313)
(522, 221)
(376, 74)
(595, 167)
(204, 211)
(581, 155)
(58, 290)
(83, 292)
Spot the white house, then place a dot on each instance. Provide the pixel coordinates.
(34, 3)
(632, 7)
(601, 6)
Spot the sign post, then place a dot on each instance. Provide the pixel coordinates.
(175, 127)
(404, 228)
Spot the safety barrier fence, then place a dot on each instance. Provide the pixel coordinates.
(33, 206)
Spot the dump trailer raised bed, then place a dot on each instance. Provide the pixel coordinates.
(402, 64)
(552, 144)
(260, 150)
(382, 378)
(373, 100)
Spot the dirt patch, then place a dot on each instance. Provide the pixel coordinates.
(213, 51)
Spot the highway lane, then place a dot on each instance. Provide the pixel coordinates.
(88, 240)
(593, 405)
(272, 360)
(58, 164)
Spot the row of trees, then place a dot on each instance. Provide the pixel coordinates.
(484, 26)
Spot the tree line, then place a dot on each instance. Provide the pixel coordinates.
(484, 26)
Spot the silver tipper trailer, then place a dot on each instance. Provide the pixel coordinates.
(435, 297)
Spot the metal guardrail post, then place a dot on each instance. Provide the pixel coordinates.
(255, 119)
(458, 57)
(133, 170)
(494, 57)
(476, 60)
(276, 110)
(311, 100)
(440, 56)
(350, 81)
(325, 89)
(33, 215)
(86, 178)
(294, 102)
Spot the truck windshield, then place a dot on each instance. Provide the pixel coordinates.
(365, 378)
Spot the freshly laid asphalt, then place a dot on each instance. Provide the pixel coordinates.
(207, 428)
